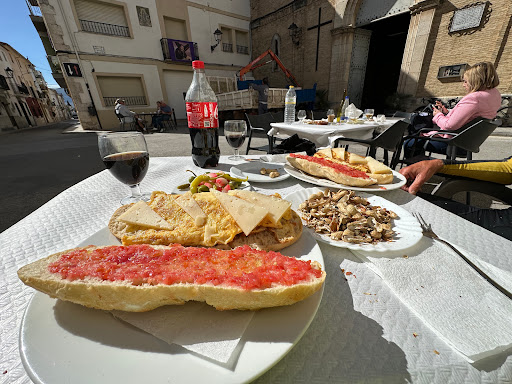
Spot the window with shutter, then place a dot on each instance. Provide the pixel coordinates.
(129, 88)
(102, 18)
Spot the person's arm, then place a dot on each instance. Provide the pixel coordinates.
(494, 171)
(458, 116)
(419, 173)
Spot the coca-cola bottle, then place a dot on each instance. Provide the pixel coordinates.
(203, 119)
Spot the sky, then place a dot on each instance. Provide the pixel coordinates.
(17, 30)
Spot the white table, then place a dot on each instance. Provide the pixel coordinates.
(351, 339)
(324, 135)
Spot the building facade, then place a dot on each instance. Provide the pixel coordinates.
(387, 54)
(24, 98)
(139, 51)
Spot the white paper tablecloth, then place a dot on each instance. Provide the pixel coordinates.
(355, 337)
(324, 135)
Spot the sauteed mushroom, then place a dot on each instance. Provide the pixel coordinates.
(344, 216)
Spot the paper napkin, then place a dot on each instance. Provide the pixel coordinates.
(459, 305)
(197, 327)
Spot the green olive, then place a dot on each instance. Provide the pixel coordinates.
(234, 184)
(203, 188)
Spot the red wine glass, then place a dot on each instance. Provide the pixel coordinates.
(235, 132)
(126, 156)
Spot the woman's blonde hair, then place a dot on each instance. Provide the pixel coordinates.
(481, 76)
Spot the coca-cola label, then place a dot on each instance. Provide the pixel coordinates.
(202, 115)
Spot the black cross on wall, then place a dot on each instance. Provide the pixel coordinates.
(317, 27)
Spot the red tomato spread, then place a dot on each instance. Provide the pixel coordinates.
(345, 169)
(242, 267)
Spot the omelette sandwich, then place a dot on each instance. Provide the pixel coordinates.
(209, 219)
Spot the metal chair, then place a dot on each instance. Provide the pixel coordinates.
(260, 123)
(405, 115)
(122, 122)
(452, 185)
(388, 140)
(468, 138)
(278, 116)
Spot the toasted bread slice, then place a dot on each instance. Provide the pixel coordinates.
(142, 278)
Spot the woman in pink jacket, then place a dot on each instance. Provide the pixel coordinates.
(482, 100)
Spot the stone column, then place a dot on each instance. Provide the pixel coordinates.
(422, 15)
(341, 55)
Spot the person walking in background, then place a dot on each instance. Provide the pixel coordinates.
(164, 113)
(129, 116)
(482, 100)
(498, 221)
(262, 95)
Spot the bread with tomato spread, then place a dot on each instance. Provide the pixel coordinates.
(140, 278)
(328, 169)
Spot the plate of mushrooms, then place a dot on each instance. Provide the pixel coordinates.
(358, 221)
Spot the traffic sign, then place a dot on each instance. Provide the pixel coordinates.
(72, 69)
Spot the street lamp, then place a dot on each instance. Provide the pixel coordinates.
(295, 33)
(9, 72)
(218, 37)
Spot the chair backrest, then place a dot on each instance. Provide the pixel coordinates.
(317, 115)
(119, 116)
(391, 138)
(405, 115)
(278, 116)
(261, 121)
(473, 134)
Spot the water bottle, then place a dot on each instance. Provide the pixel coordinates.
(344, 108)
(289, 105)
(203, 119)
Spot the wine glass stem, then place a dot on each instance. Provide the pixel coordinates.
(135, 190)
(236, 153)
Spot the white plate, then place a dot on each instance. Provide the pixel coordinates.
(251, 170)
(407, 228)
(61, 342)
(398, 181)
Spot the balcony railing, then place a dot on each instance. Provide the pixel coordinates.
(130, 100)
(227, 47)
(179, 50)
(3, 83)
(23, 89)
(104, 29)
(242, 49)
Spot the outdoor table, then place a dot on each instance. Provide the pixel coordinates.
(325, 135)
(351, 339)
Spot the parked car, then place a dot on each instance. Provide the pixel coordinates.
(74, 115)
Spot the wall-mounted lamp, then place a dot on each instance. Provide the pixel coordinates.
(9, 72)
(295, 33)
(218, 38)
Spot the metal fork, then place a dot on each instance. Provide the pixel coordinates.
(428, 232)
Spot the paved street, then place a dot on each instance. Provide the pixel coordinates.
(39, 163)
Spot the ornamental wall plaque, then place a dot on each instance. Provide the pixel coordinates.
(451, 71)
(470, 18)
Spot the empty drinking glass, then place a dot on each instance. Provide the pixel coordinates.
(301, 115)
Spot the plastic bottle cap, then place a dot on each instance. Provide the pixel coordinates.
(198, 64)
(291, 86)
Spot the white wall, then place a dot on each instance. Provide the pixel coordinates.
(176, 83)
(204, 23)
(150, 73)
(145, 41)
